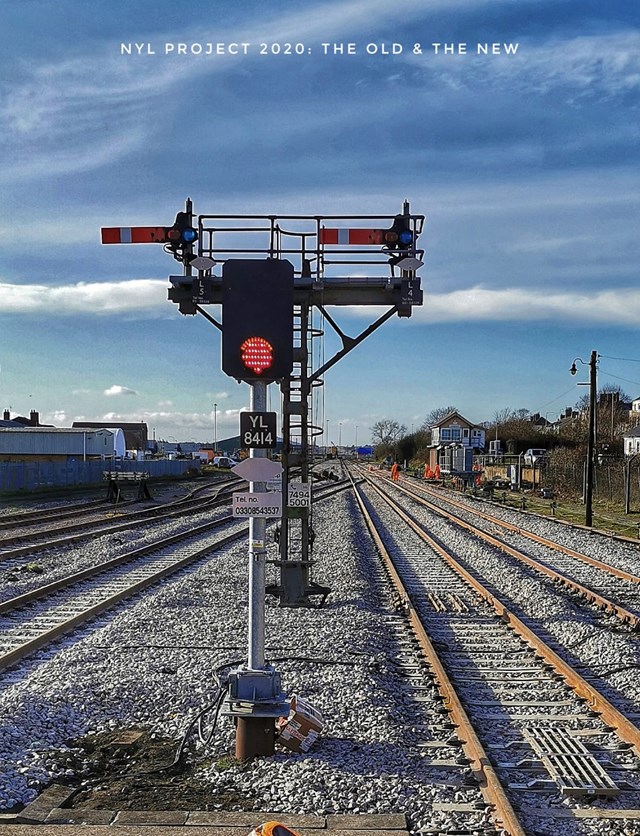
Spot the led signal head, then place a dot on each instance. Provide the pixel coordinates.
(257, 319)
(257, 354)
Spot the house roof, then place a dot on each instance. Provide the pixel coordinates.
(634, 433)
(450, 417)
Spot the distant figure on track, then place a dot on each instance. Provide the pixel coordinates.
(395, 472)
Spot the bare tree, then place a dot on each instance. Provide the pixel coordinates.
(502, 416)
(387, 431)
(437, 415)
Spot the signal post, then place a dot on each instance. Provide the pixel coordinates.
(255, 698)
(257, 348)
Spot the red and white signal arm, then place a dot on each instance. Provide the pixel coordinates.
(358, 237)
(133, 234)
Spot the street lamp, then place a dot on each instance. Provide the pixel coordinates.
(591, 439)
(215, 427)
(340, 434)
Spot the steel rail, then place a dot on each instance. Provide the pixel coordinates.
(59, 512)
(621, 613)
(18, 653)
(585, 558)
(75, 509)
(28, 647)
(484, 773)
(32, 595)
(627, 731)
(101, 527)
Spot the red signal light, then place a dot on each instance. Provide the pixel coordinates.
(257, 354)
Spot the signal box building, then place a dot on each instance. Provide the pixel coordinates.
(454, 433)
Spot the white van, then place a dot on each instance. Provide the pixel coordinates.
(225, 462)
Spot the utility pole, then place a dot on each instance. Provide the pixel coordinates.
(255, 698)
(591, 445)
(591, 437)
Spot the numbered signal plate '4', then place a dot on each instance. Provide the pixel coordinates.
(258, 430)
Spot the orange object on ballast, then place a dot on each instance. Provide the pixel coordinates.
(272, 828)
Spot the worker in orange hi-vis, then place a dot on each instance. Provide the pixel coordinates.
(395, 472)
(426, 471)
(437, 473)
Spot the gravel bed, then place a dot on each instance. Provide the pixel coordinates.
(553, 612)
(151, 665)
(616, 553)
(26, 572)
(591, 638)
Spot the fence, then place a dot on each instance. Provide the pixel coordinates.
(611, 480)
(33, 476)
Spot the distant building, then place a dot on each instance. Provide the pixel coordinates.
(32, 421)
(453, 441)
(455, 428)
(135, 435)
(58, 444)
(631, 441)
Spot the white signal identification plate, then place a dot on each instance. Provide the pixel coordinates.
(257, 504)
(299, 495)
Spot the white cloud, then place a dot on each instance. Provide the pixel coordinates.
(146, 298)
(135, 295)
(586, 67)
(476, 304)
(116, 389)
(512, 304)
(228, 420)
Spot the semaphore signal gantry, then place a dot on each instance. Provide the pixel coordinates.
(269, 274)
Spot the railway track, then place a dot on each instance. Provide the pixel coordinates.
(40, 616)
(32, 541)
(542, 741)
(70, 509)
(446, 498)
(609, 589)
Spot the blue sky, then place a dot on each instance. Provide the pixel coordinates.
(525, 165)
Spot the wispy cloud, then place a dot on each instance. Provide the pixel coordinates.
(227, 420)
(477, 304)
(116, 389)
(146, 298)
(95, 109)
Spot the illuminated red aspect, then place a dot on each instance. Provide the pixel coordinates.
(257, 354)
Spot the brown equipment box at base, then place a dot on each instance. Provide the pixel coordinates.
(300, 730)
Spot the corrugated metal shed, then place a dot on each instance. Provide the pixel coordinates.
(54, 441)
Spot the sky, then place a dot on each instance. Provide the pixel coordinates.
(524, 163)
